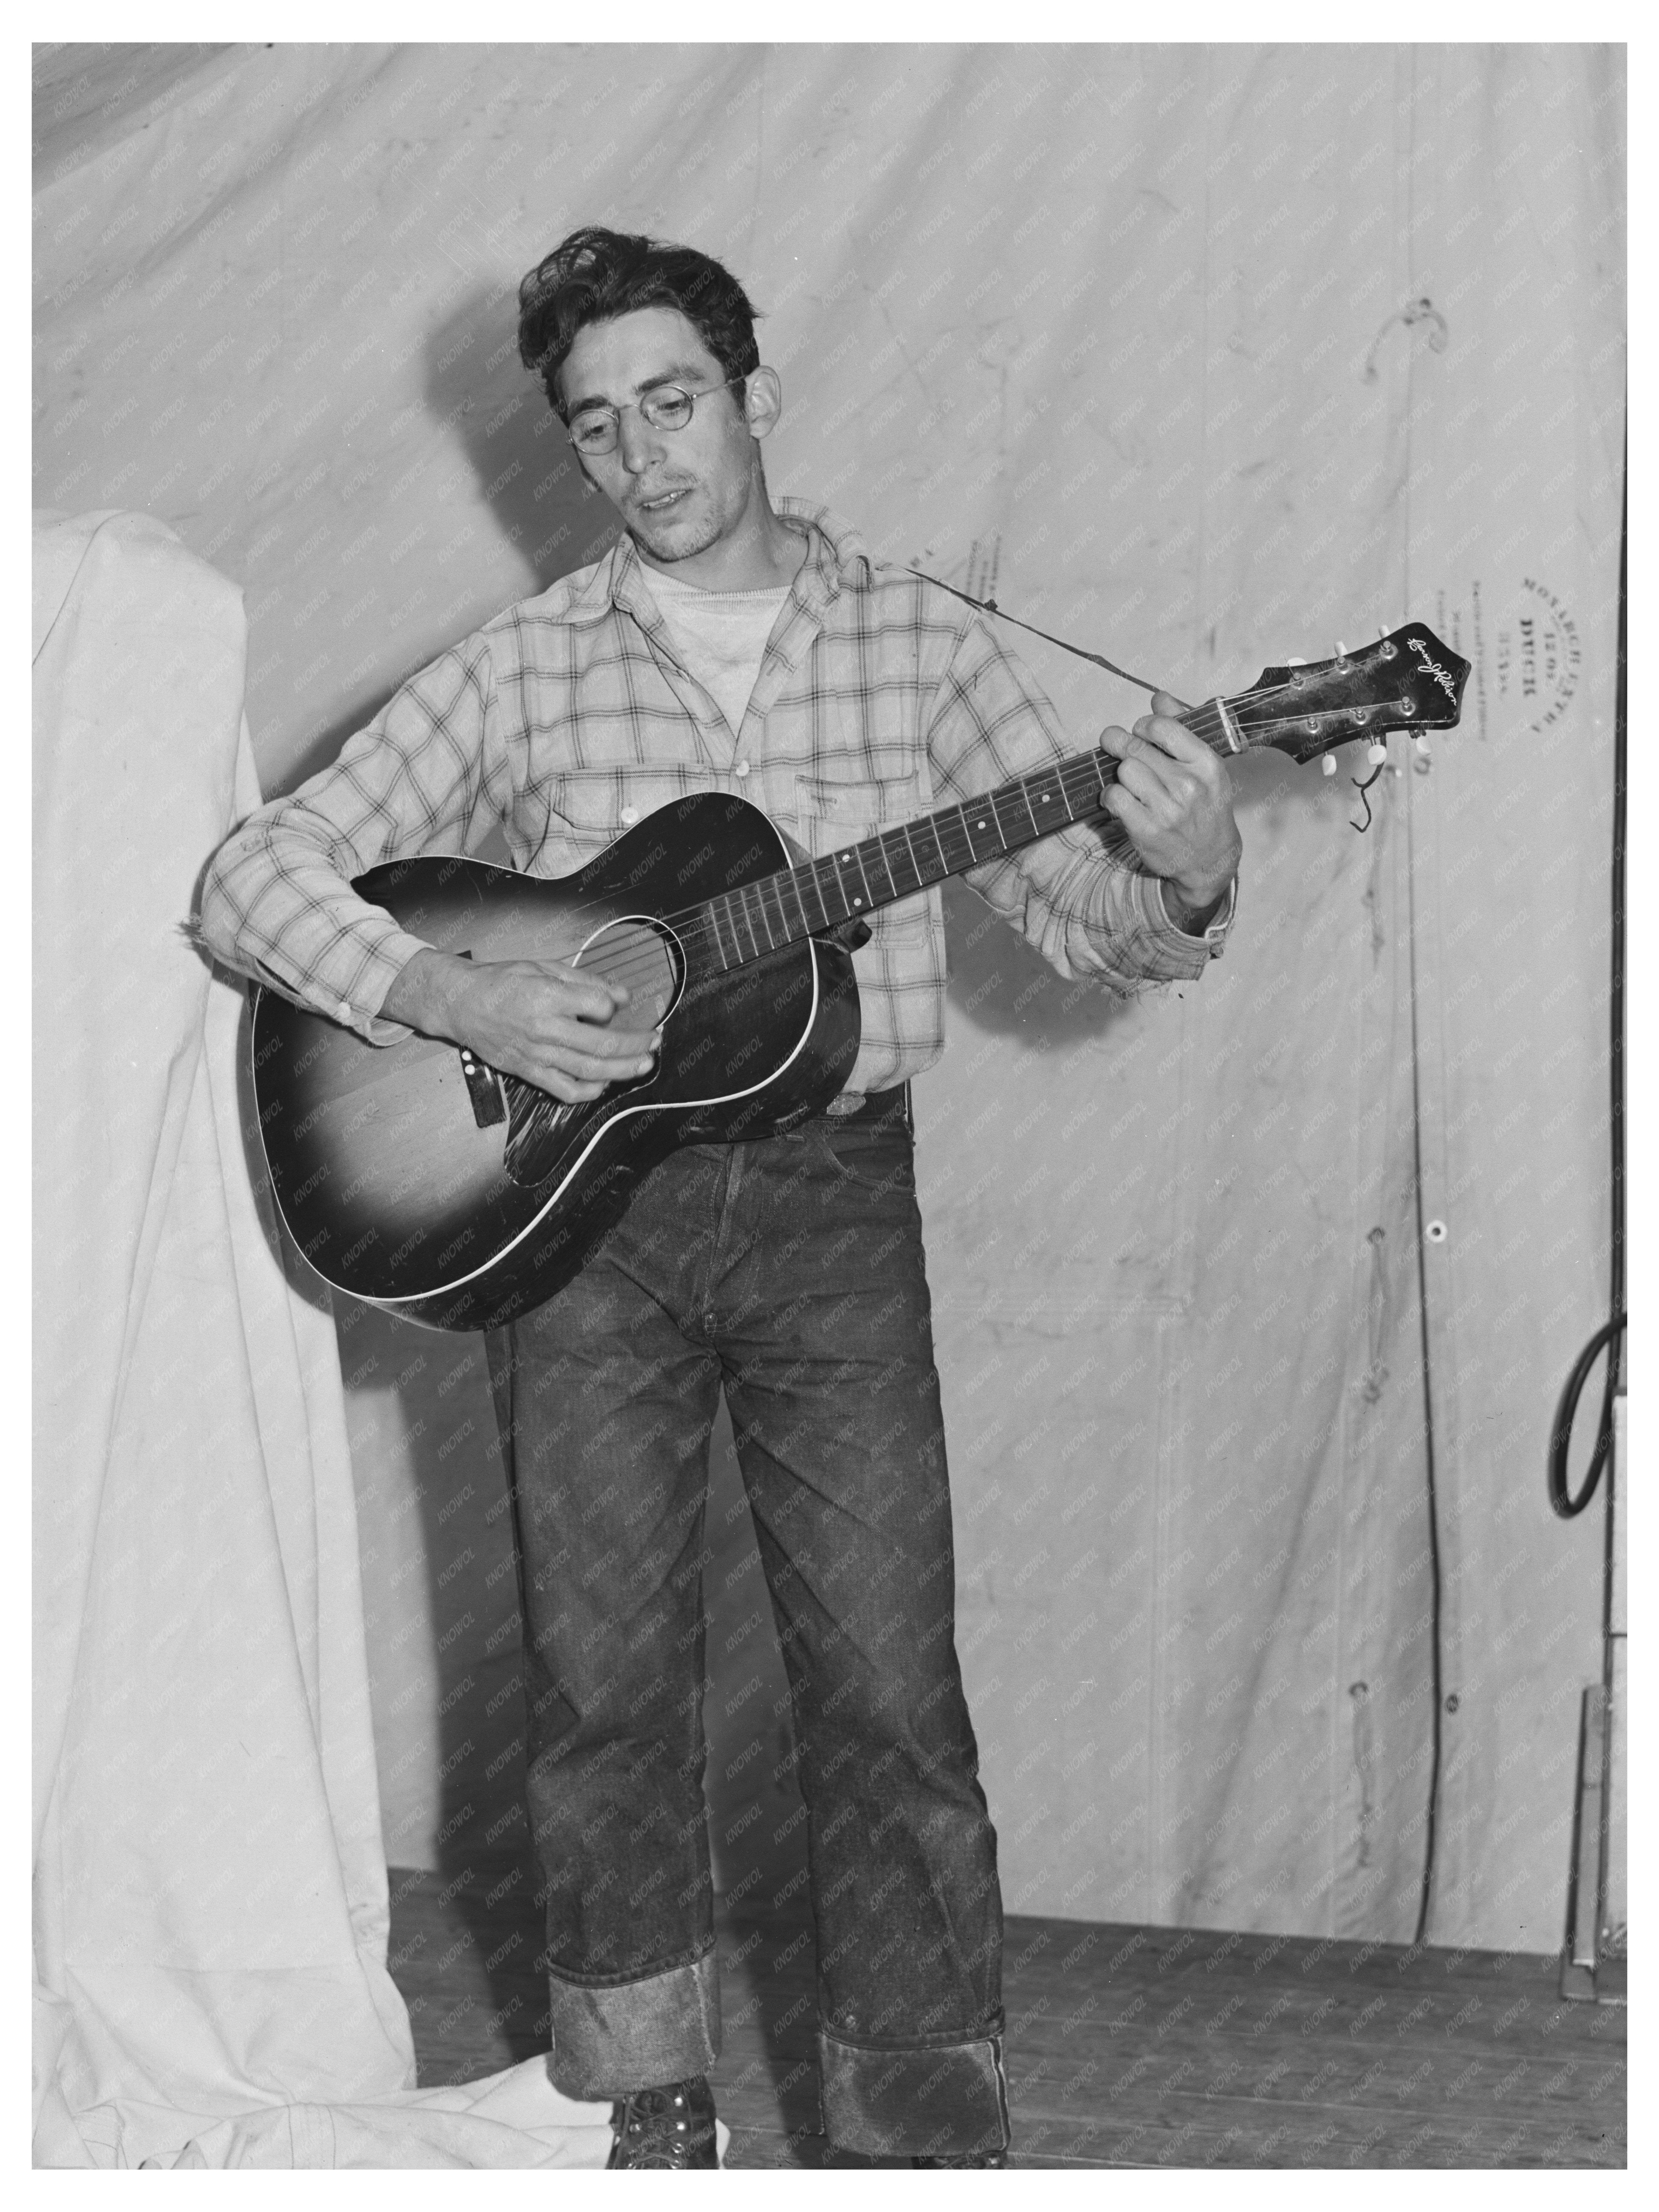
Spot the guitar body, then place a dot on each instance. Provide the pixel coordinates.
(422, 1185)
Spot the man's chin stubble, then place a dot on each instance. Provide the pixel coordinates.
(667, 545)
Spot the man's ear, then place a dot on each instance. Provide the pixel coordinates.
(763, 402)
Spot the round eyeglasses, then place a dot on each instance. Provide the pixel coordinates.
(595, 430)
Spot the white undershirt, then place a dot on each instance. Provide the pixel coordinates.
(719, 635)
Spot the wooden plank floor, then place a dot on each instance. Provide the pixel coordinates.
(1126, 2046)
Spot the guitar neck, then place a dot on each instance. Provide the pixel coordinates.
(856, 880)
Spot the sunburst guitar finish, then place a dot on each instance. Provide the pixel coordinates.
(412, 1178)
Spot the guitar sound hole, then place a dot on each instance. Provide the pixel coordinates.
(645, 959)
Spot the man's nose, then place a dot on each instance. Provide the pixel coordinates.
(637, 443)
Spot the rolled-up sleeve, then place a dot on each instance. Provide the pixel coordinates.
(427, 774)
(1081, 897)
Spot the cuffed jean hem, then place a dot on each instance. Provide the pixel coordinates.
(927, 2100)
(611, 2038)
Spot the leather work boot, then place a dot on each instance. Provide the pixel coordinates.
(670, 2126)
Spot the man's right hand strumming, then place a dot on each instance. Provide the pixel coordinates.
(543, 1020)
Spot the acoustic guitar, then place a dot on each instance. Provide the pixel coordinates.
(414, 1177)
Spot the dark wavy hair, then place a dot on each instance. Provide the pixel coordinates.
(594, 275)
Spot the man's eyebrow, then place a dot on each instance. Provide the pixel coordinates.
(684, 372)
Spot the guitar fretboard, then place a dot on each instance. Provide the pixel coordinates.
(856, 879)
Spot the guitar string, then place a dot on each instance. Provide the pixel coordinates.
(1075, 764)
(698, 924)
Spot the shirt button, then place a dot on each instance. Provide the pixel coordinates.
(345, 1010)
(629, 816)
(743, 767)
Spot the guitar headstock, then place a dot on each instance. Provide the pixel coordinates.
(1407, 681)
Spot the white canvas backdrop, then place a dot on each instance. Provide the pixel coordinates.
(210, 1908)
(1200, 356)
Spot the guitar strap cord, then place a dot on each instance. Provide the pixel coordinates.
(990, 607)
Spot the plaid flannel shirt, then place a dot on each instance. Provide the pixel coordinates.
(569, 718)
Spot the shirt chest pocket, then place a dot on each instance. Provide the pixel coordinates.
(836, 814)
(834, 811)
(583, 811)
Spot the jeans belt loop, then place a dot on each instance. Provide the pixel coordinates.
(872, 1105)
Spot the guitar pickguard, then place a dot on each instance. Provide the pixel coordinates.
(543, 1130)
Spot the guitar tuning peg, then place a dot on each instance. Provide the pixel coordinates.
(1296, 661)
(1327, 765)
(1382, 630)
(1420, 741)
(1376, 752)
(1341, 650)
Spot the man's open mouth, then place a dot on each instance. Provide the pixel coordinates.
(663, 501)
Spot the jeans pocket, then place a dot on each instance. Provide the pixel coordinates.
(880, 1160)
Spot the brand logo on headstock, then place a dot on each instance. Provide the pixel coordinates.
(1432, 667)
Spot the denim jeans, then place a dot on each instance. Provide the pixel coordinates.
(787, 1272)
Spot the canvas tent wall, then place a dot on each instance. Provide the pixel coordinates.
(1252, 1297)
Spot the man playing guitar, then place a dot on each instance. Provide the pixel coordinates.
(730, 643)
